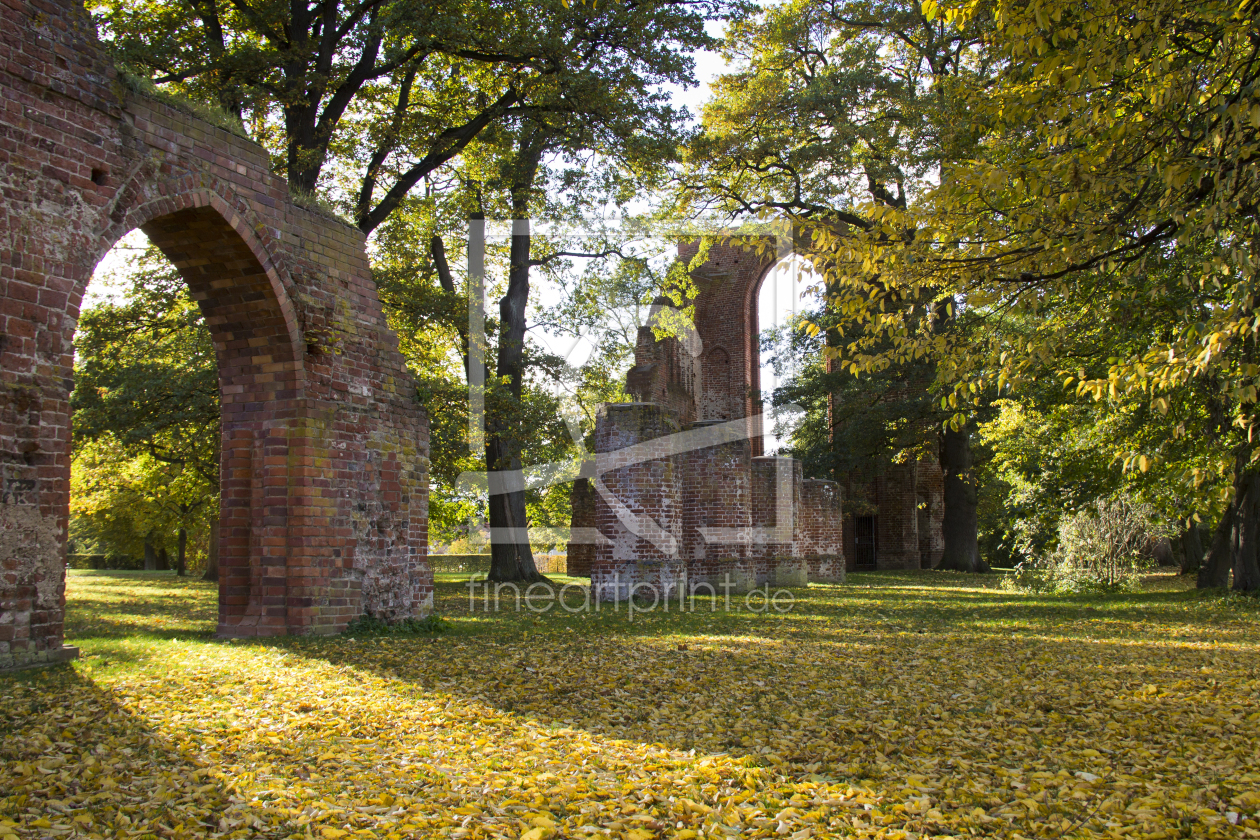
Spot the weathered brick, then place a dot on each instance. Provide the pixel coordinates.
(679, 493)
(298, 458)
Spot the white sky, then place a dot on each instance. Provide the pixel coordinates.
(778, 303)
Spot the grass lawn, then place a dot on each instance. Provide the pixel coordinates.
(899, 705)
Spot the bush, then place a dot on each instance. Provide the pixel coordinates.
(367, 625)
(547, 564)
(1106, 549)
(463, 563)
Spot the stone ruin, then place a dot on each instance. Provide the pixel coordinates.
(680, 494)
(325, 451)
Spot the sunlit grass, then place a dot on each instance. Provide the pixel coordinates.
(918, 703)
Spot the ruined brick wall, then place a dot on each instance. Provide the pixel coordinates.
(727, 323)
(638, 501)
(776, 485)
(818, 537)
(739, 516)
(688, 508)
(930, 498)
(907, 502)
(666, 369)
(325, 451)
(898, 517)
(717, 505)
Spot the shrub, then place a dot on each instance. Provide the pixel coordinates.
(1105, 549)
(367, 625)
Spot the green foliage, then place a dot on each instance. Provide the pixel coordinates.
(833, 110)
(363, 101)
(146, 416)
(1048, 203)
(1110, 183)
(1106, 548)
(366, 626)
(120, 502)
(852, 425)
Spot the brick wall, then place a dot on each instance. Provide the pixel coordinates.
(639, 509)
(666, 370)
(717, 504)
(930, 493)
(702, 505)
(325, 451)
(907, 502)
(727, 323)
(818, 537)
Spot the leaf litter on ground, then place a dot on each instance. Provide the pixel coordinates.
(899, 706)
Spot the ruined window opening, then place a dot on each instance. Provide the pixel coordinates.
(864, 542)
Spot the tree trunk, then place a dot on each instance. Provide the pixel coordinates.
(150, 555)
(212, 558)
(1191, 544)
(1246, 567)
(511, 558)
(163, 560)
(1216, 565)
(961, 525)
(181, 556)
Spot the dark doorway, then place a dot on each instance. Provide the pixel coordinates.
(864, 542)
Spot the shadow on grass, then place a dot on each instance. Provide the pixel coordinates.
(76, 761)
(875, 686)
(966, 691)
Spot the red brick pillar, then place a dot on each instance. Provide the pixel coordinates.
(638, 502)
(717, 502)
(819, 538)
(776, 500)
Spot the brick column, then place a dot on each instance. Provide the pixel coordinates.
(717, 507)
(638, 502)
(818, 532)
(776, 500)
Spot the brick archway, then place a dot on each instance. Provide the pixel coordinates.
(256, 340)
(325, 450)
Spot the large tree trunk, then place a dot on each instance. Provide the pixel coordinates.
(961, 525)
(1191, 545)
(1246, 565)
(150, 555)
(1219, 559)
(511, 558)
(181, 555)
(163, 560)
(212, 558)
